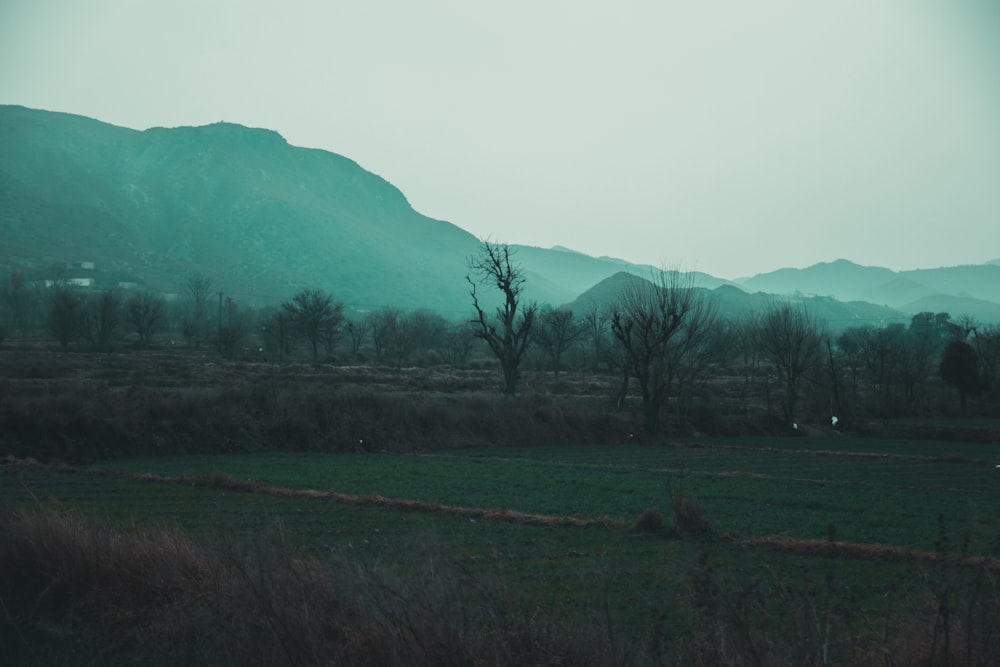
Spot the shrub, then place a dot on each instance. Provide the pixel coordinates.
(649, 521)
(689, 519)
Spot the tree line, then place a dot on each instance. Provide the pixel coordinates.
(668, 352)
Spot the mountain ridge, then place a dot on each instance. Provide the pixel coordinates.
(264, 218)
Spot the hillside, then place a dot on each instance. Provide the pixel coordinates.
(972, 290)
(263, 219)
(260, 217)
(733, 302)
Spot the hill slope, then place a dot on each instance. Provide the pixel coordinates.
(264, 219)
(260, 217)
(847, 281)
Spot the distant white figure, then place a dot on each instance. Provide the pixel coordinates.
(834, 420)
(795, 426)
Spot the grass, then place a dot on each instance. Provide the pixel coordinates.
(643, 589)
(749, 490)
(726, 550)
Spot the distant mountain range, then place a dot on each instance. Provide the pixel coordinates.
(264, 219)
(960, 290)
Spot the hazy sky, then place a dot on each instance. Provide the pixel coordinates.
(732, 137)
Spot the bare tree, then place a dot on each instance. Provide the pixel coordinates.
(986, 340)
(649, 316)
(315, 315)
(791, 341)
(383, 324)
(427, 329)
(555, 331)
(506, 333)
(102, 321)
(595, 326)
(144, 311)
(64, 315)
(233, 330)
(197, 290)
(458, 343)
(959, 368)
(275, 329)
(358, 330)
(17, 298)
(698, 346)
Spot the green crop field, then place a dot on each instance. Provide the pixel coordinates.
(913, 496)
(872, 491)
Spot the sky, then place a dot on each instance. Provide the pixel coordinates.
(724, 136)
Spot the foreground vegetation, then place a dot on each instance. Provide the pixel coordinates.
(165, 506)
(758, 550)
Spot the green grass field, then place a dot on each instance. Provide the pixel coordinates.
(872, 491)
(877, 492)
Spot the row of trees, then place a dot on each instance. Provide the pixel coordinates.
(668, 338)
(102, 318)
(662, 339)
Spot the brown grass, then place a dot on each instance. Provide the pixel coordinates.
(75, 408)
(155, 597)
(250, 486)
(865, 551)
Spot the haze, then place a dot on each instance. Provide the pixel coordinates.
(729, 137)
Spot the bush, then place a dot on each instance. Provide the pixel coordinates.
(649, 521)
(689, 519)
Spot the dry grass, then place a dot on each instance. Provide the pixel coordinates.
(156, 597)
(151, 404)
(867, 551)
(251, 486)
(689, 519)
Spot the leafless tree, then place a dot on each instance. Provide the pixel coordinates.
(595, 326)
(694, 351)
(507, 332)
(383, 324)
(144, 311)
(458, 343)
(959, 368)
(17, 298)
(315, 315)
(986, 340)
(64, 315)
(275, 330)
(791, 341)
(648, 323)
(555, 331)
(358, 330)
(102, 321)
(233, 329)
(197, 291)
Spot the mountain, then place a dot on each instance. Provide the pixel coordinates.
(733, 302)
(840, 279)
(960, 290)
(261, 218)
